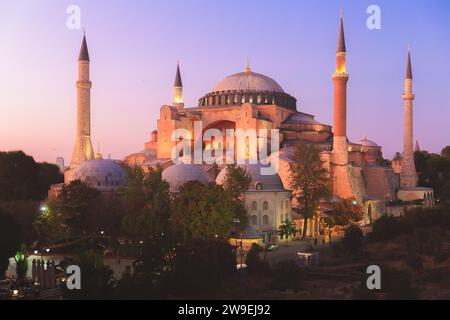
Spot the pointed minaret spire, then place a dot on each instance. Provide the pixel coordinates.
(178, 89)
(341, 37)
(247, 66)
(417, 147)
(84, 52)
(83, 146)
(178, 82)
(408, 66)
(408, 175)
(340, 79)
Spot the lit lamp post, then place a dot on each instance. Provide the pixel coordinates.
(242, 251)
(236, 222)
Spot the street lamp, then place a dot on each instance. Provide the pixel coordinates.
(236, 222)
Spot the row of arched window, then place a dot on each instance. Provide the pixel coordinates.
(265, 219)
(254, 220)
(236, 99)
(255, 205)
(284, 204)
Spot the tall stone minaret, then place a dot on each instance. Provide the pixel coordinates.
(340, 78)
(83, 146)
(178, 90)
(408, 176)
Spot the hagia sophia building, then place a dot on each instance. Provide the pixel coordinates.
(250, 100)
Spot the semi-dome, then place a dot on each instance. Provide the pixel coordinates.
(178, 175)
(101, 174)
(247, 87)
(259, 182)
(248, 81)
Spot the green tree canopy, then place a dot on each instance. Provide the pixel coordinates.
(309, 181)
(287, 229)
(206, 211)
(237, 181)
(147, 204)
(75, 205)
(446, 152)
(21, 178)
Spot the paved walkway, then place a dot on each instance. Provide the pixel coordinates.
(290, 252)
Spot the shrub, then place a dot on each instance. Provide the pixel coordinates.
(385, 228)
(396, 285)
(201, 265)
(255, 265)
(414, 261)
(287, 275)
(353, 240)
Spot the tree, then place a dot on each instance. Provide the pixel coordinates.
(201, 265)
(49, 226)
(254, 263)
(237, 181)
(147, 205)
(434, 172)
(21, 178)
(19, 175)
(352, 241)
(21, 259)
(286, 230)
(96, 279)
(309, 181)
(446, 152)
(346, 212)
(75, 204)
(9, 240)
(206, 211)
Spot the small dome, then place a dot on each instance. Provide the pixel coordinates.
(178, 175)
(104, 175)
(367, 143)
(259, 182)
(248, 81)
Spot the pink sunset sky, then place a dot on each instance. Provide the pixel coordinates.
(134, 46)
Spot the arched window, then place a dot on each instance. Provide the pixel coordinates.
(254, 220)
(281, 219)
(265, 219)
(258, 186)
(265, 205)
(254, 205)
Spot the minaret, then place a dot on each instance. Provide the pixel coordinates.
(178, 90)
(340, 78)
(416, 146)
(83, 146)
(408, 172)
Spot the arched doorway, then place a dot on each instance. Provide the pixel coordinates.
(223, 142)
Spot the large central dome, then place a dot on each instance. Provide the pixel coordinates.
(248, 81)
(247, 87)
